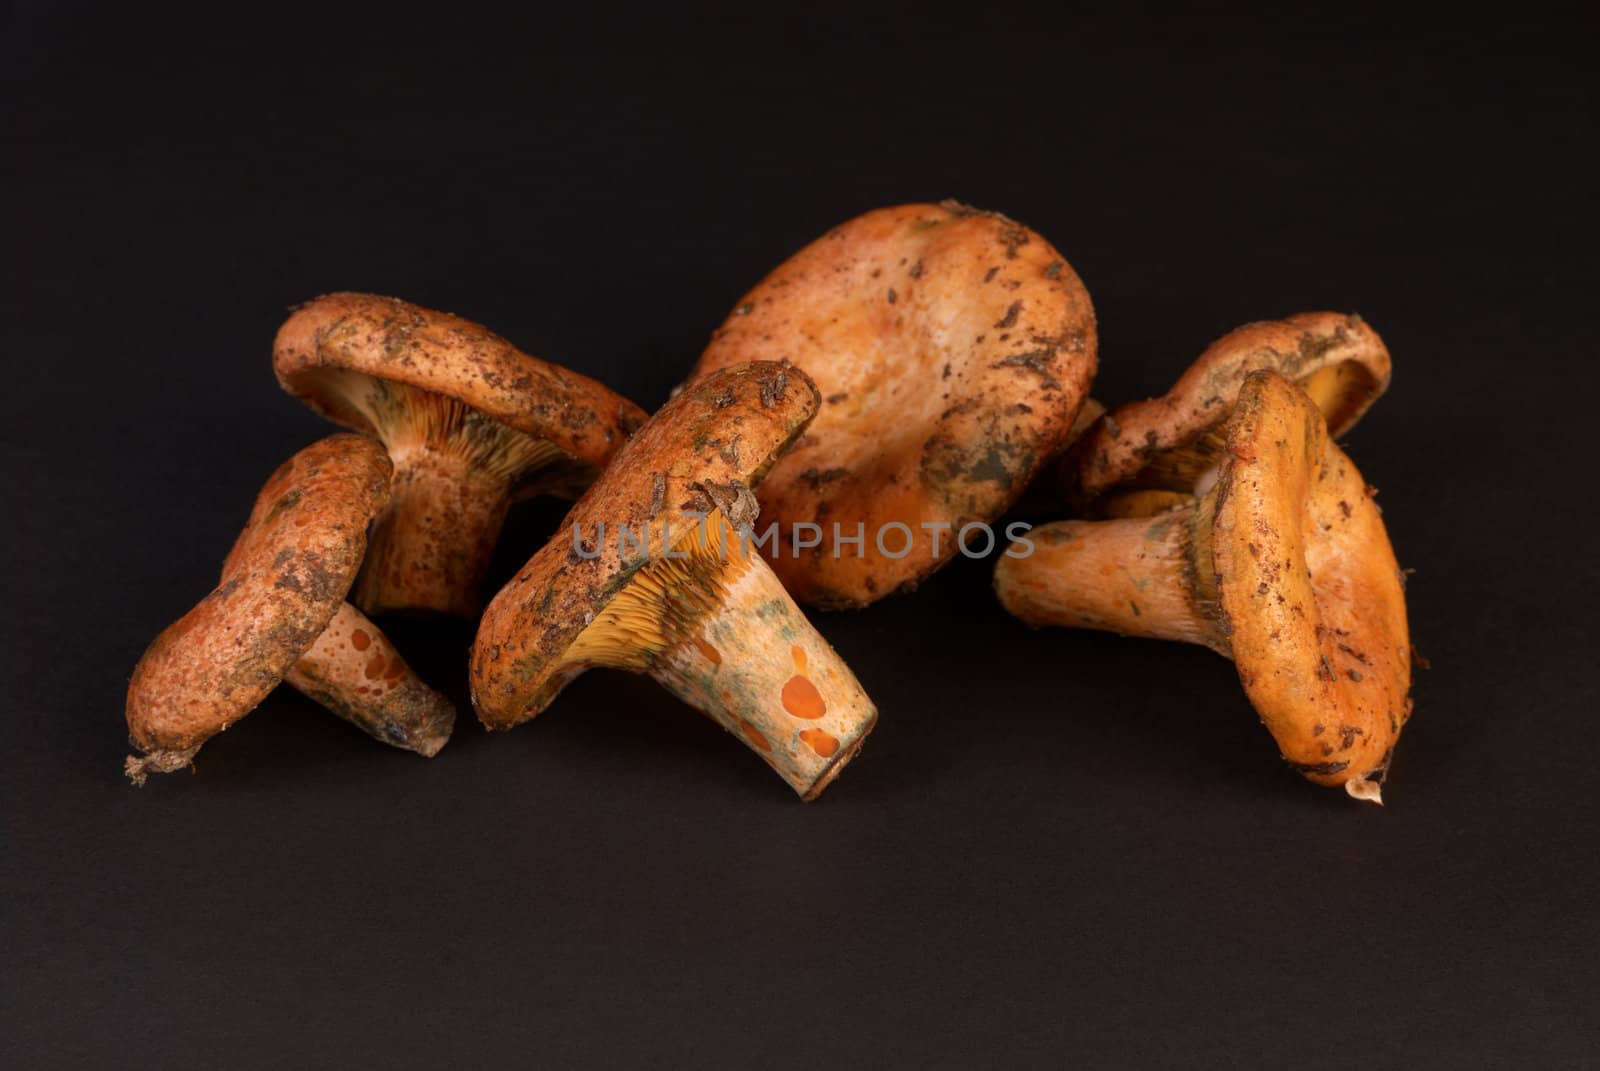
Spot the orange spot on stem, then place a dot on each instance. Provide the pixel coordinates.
(713, 655)
(820, 742)
(754, 735)
(799, 655)
(375, 667)
(801, 698)
(360, 640)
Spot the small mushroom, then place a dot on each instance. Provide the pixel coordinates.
(279, 614)
(657, 575)
(1283, 565)
(470, 421)
(953, 348)
(1147, 456)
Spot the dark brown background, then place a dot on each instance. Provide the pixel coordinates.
(1058, 847)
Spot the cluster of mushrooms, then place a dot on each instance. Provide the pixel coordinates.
(919, 368)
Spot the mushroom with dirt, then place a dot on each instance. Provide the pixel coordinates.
(953, 348)
(279, 614)
(658, 575)
(1143, 457)
(1283, 565)
(471, 422)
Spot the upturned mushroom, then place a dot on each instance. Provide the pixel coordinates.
(471, 422)
(1283, 565)
(1143, 457)
(658, 574)
(278, 614)
(953, 348)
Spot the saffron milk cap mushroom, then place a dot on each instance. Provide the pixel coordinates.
(952, 347)
(470, 421)
(1147, 456)
(278, 614)
(1283, 565)
(657, 576)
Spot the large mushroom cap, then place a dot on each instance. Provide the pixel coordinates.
(1309, 590)
(281, 584)
(1165, 444)
(339, 353)
(952, 348)
(700, 453)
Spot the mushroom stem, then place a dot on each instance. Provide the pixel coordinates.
(759, 669)
(139, 767)
(714, 625)
(431, 547)
(354, 671)
(1135, 576)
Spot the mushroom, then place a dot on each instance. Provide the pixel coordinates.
(279, 613)
(1147, 456)
(658, 575)
(1283, 565)
(953, 348)
(470, 421)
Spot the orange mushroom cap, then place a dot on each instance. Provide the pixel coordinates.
(1163, 444)
(952, 347)
(394, 341)
(1310, 591)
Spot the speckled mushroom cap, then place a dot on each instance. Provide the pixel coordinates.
(702, 451)
(286, 575)
(952, 347)
(1336, 357)
(1309, 590)
(394, 341)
